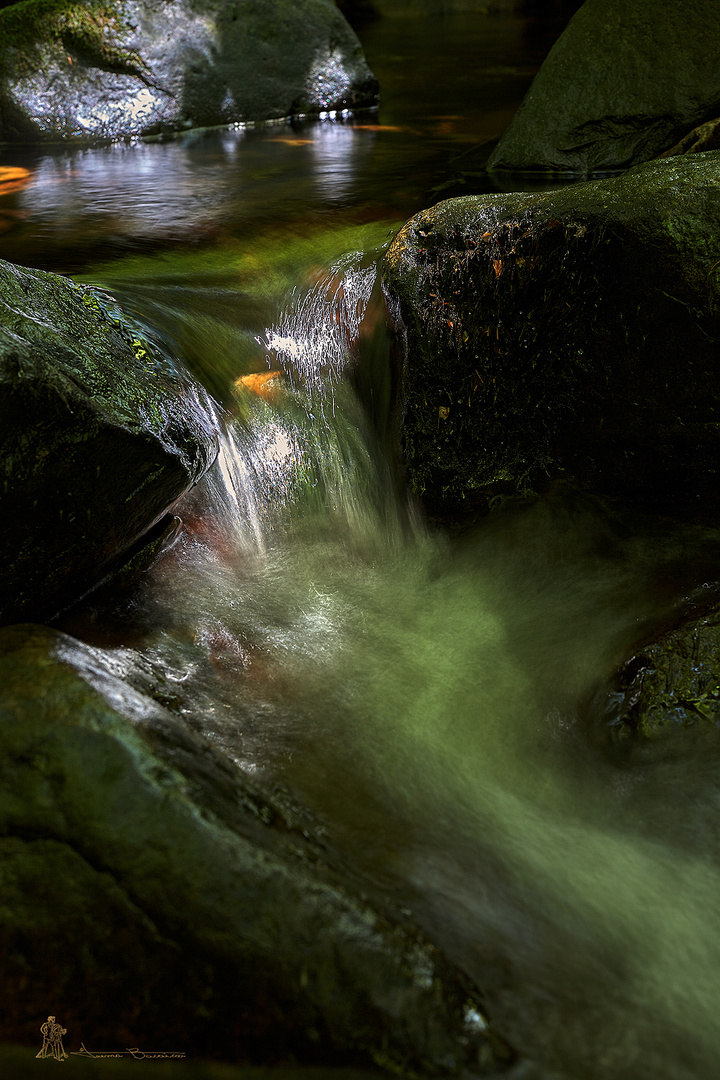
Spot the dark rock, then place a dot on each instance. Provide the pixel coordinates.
(155, 897)
(569, 334)
(79, 69)
(99, 435)
(624, 82)
(672, 683)
(702, 138)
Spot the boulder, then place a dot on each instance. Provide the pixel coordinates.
(564, 335)
(670, 685)
(100, 433)
(86, 70)
(624, 82)
(154, 896)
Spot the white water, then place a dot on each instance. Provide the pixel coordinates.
(426, 697)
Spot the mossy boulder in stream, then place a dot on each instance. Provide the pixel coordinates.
(570, 334)
(671, 685)
(99, 434)
(153, 896)
(624, 82)
(80, 69)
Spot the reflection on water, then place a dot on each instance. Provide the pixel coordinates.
(194, 184)
(438, 104)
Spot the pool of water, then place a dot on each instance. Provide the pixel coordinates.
(449, 87)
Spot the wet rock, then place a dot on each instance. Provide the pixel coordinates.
(564, 335)
(155, 897)
(623, 83)
(99, 435)
(672, 683)
(144, 67)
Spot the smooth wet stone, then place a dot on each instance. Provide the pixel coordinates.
(143, 67)
(100, 433)
(624, 82)
(564, 335)
(154, 896)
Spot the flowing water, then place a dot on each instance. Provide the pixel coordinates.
(437, 701)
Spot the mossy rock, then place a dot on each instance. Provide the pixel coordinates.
(152, 895)
(564, 335)
(670, 685)
(89, 69)
(100, 433)
(624, 82)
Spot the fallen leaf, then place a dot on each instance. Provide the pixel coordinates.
(376, 127)
(13, 172)
(265, 384)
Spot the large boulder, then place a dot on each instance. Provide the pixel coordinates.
(569, 334)
(153, 896)
(624, 82)
(82, 69)
(99, 434)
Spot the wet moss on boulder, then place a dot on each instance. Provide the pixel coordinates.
(164, 900)
(670, 687)
(99, 434)
(624, 82)
(88, 69)
(564, 335)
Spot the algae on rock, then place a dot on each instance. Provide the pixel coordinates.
(624, 82)
(100, 433)
(78, 69)
(569, 334)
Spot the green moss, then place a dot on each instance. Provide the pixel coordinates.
(30, 25)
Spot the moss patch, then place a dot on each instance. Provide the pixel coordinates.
(78, 27)
(570, 334)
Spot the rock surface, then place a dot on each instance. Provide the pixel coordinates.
(672, 683)
(79, 69)
(704, 137)
(569, 334)
(99, 435)
(624, 82)
(154, 895)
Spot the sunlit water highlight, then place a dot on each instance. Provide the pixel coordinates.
(427, 698)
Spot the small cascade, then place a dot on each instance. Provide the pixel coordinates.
(423, 697)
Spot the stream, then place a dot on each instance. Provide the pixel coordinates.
(438, 701)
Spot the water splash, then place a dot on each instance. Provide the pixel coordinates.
(314, 338)
(423, 696)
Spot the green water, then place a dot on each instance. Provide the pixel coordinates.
(436, 701)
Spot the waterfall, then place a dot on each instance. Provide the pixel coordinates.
(426, 697)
